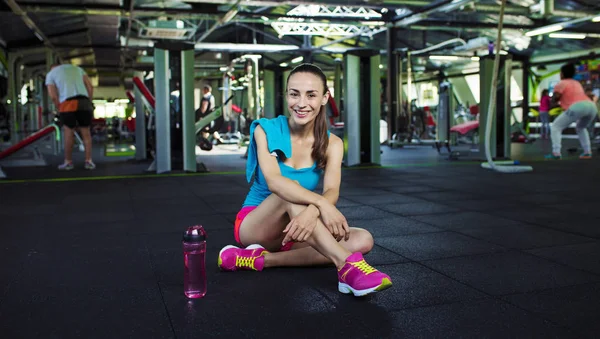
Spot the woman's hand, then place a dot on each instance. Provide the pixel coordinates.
(300, 228)
(334, 220)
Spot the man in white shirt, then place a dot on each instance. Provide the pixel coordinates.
(71, 91)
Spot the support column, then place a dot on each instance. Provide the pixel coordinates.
(270, 93)
(187, 110)
(526, 95)
(255, 90)
(362, 107)
(140, 123)
(392, 82)
(337, 84)
(163, 126)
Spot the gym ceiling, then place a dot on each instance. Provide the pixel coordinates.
(111, 38)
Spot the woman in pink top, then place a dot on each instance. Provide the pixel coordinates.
(544, 115)
(577, 108)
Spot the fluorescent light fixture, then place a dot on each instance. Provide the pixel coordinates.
(252, 56)
(567, 35)
(179, 24)
(596, 19)
(230, 47)
(380, 66)
(372, 23)
(475, 58)
(544, 30)
(223, 69)
(264, 18)
(297, 60)
(503, 52)
(283, 64)
(443, 57)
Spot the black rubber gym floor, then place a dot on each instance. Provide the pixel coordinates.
(472, 254)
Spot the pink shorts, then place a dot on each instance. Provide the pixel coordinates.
(238, 222)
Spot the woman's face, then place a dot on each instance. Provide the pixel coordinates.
(305, 97)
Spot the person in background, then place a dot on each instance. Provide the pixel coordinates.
(577, 107)
(207, 106)
(283, 222)
(71, 91)
(592, 128)
(544, 115)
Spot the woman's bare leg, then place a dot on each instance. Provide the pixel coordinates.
(265, 226)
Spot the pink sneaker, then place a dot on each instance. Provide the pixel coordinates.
(359, 278)
(232, 258)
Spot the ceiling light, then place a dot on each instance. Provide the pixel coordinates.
(544, 30)
(567, 36)
(283, 64)
(443, 57)
(596, 19)
(232, 47)
(297, 60)
(475, 58)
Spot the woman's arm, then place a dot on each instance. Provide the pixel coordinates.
(333, 170)
(283, 187)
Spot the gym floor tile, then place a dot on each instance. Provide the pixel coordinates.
(460, 220)
(497, 273)
(436, 245)
(481, 204)
(360, 191)
(413, 286)
(443, 196)
(83, 311)
(417, 208)
(393, 226)
(364, 212)
(179, 223)
(475, 319)
(381, 256)
(387, 198)
(412, 189)
(524, 236)
(574, 306)
(582, 256)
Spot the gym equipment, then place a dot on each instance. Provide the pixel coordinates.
(362, 107)
(445, 120)
(36, 158)
(492, 104)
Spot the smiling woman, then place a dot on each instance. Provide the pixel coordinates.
(284, 222)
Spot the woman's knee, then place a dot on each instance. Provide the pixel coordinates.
(360, 241)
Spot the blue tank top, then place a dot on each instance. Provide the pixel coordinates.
(279, 143)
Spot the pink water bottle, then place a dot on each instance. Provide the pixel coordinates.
(194, 270)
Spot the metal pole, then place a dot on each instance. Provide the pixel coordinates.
(255, 89)
(337, 84)
(188, 112)
(163, 126)
(375, 108)
(140, 125)
(269, 86)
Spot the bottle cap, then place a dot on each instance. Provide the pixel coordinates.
(194, 234)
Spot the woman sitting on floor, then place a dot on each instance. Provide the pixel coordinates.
(287, 223)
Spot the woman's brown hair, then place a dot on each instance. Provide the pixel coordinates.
(319, 151)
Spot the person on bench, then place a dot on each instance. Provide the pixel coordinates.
(282, 219)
